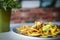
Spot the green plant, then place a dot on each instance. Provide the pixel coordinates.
(5, 13)
(9, 4)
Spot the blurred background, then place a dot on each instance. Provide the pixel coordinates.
(36, 10)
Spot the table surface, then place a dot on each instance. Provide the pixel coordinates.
(10, 35)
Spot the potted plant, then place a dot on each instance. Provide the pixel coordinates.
(5, 13)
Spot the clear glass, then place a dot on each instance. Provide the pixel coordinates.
(5, 19)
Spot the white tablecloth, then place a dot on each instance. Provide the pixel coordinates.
(9, 35)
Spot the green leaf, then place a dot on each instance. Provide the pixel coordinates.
(10, 3)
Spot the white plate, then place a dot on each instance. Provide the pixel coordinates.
(34, 38)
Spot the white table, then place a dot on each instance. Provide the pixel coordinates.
(11, 35)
